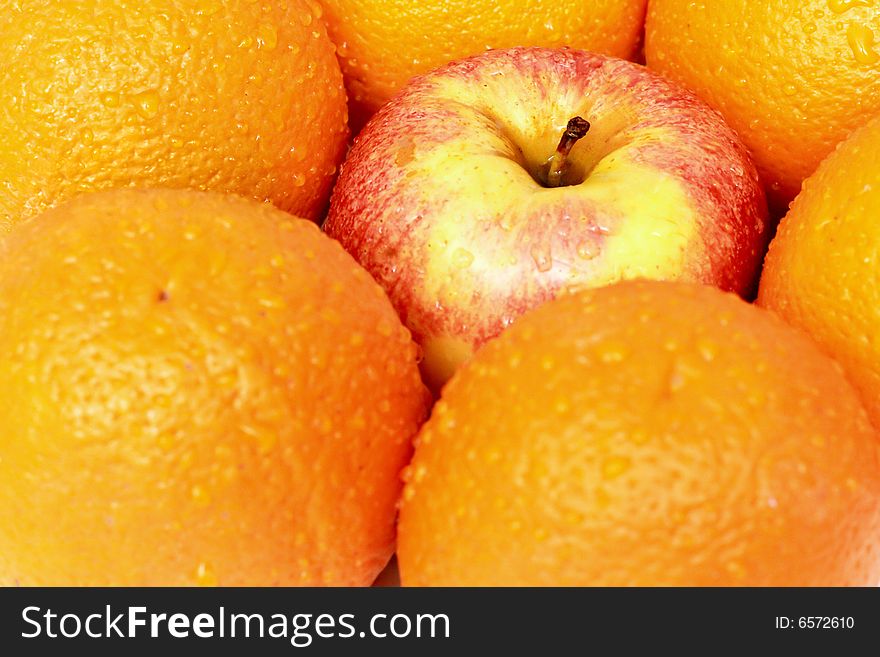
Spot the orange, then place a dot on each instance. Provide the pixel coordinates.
(821, 272)
(383, 43)
(645, 434)
(196, 389)
(242, 97)
(793, 77)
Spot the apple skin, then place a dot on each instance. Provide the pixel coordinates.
(438, 201)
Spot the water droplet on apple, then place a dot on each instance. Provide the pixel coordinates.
(587, 251)
(405, 154)
(541, 256)
(462, 258)
(506, 222)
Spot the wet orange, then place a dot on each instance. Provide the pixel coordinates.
(645, 434)
(792, 77)
(821, 272)
(242, 97)
(196, 389)
(383, 43)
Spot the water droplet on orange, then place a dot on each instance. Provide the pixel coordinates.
(842, 6)
(110, 99)
(200, 496)
(267, 37)
(615, 467)
(384, 328)
(611, 352)
(736, 569)
(205, 574)
(146, 103)
(861, 41)
(708, 349)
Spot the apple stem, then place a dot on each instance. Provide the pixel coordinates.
(576, 130)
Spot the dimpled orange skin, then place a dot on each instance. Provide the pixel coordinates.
(792, 77)
(821, 272)
(241, 97)
(196, 389)
(383, 43)
(645, 434)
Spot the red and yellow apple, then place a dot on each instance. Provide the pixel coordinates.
(479, 192)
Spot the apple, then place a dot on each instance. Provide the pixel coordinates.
(497, 182)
